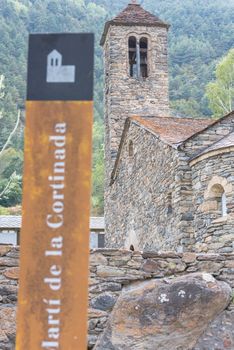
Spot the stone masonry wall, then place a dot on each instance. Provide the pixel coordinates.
(150, 203)
(213, 231)
(125, 95)
(137, 211)
(159, 198)
(9, 275)
(206, 138)
(111, 271)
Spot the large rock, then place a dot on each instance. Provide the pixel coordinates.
(220, 333)
(7, 327)
(164, 315)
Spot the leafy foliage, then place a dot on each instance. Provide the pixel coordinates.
(98, 169)
(11, 163)
(221, 92)
(13, 195)
(201, 33)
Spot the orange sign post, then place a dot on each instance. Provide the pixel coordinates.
(52, 306)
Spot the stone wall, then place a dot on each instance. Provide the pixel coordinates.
(150, 203)
(214, 232)
(111, 271)
(207, 137)
(208, 234)
(159, 199)
(125, 95)
(140, 197)
(9, 275)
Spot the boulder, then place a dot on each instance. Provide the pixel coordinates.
(219, 334)
(7, 327)
(163, 315)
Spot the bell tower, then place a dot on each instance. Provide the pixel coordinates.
(136, 72)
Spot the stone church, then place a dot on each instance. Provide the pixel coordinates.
(169, 181)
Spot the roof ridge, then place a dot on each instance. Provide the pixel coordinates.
(170, 117)
(213, 123)
(134, 14)
(162, 136)
(128, 14)
(185, 127)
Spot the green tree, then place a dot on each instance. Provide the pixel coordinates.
(221, 92)
(201, 33)
(98, 169)
(10, 182)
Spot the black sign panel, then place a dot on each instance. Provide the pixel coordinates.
(60, 67)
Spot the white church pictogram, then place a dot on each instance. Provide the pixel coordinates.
(56, 72)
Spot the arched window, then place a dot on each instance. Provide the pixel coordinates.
(130, 148)
(144, 57)
(132, 54)
(218, 195)
(138, 57)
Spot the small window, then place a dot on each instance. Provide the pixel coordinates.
(224, 204)
(169, 203)
(132, 53)
(219, 196)
(144, 57)
(130, 149)
(52, 62)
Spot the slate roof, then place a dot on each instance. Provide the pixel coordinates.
(14, 222)
(132, 15)
(172, 130)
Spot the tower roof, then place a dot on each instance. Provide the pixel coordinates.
(133, 15)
